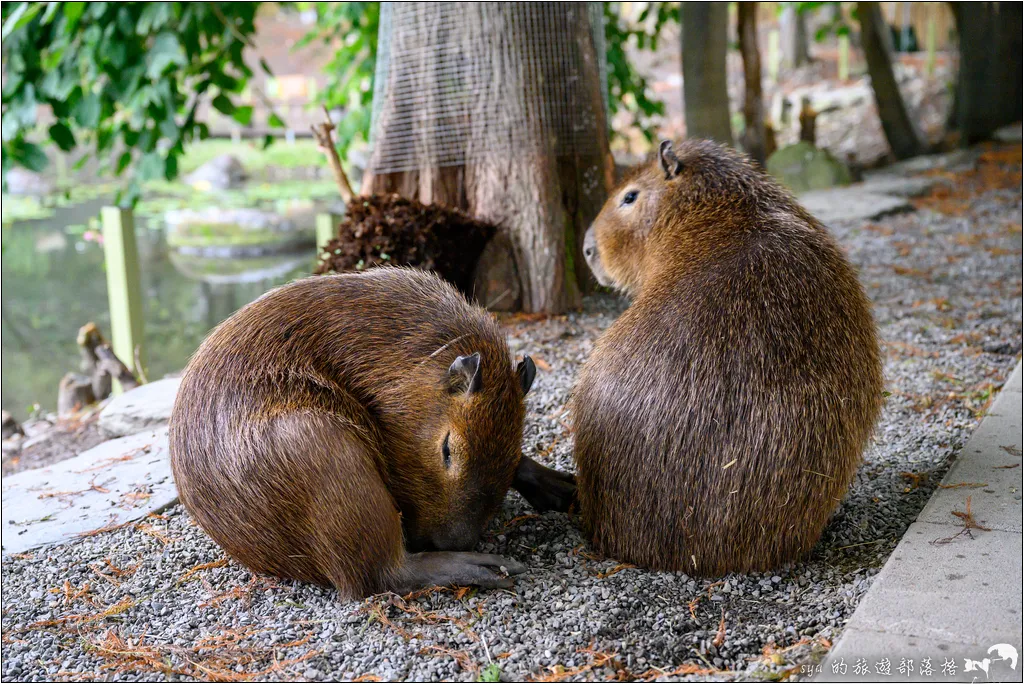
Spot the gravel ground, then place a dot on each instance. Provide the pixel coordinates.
(159, 600)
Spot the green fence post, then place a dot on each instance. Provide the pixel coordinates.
(844, 57)
(124, 288)
(326, 229)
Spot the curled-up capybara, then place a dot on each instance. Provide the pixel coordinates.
(358, 430)
(721, 418)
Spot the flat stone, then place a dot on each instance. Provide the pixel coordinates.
(114, 483)
(1009, 134)
(899, 186)
(143, 408)
(993, 458)
(877, 650)
(929, 162)
(851, 204)
(948, 593)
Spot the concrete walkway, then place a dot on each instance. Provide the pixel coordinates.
(949, 594)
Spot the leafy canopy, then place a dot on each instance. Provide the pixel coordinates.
(125, 79)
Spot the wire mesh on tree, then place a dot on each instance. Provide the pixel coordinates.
(441, 76)
(498, 109)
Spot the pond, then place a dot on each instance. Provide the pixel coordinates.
(53, 282)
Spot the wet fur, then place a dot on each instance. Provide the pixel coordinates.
(306, 436)
(720, 420)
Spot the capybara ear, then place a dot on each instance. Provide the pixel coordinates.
(669, 161)
(527, 371)
(464, 374)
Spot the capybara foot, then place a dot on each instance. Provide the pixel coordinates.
(545, 488)
(446, 568)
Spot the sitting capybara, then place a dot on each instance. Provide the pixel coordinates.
(358, 430)
(721, 418)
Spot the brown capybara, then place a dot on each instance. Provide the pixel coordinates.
(358, 430)
(721, 418)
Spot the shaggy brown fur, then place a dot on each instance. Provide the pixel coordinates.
(721, 419)
(343, 429)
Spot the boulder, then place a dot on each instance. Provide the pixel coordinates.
(220, 173)
(143, 408)
(235, 232)
(802, 167)
(24, 182)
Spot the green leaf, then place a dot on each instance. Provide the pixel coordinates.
(268, 140)
(72, 13)
(22, 14)
(274, 121)
(223, 104)
(491, 673)
(62, 135)
(151, 166)
(30, 155)
(122, 162)
(87, 112)
(166, 51)
(243, 115)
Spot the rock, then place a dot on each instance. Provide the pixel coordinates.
(10, 426)
(496, 282)
(24, 182)
(1008, 134)
(899, 186)
(802, 167)
(851, 204)
(143, 408)
(220, 232)
(74, 393)
(111, 484)
(220, 173)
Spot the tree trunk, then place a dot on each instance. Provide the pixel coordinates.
(542, 195)
(988, 93)
(793, 35)
(900, 130)
(705, 96)
(753, 103)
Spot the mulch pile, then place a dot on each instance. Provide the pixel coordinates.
(389, 229)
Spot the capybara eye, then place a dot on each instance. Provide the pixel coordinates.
(446, 452)
(630, 197)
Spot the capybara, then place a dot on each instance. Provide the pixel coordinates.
(720, 420)
(359, 430)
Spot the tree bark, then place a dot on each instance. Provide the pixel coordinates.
(753, 103)
(988, 93)
(705, 95)
(541, 198)
(904, 138)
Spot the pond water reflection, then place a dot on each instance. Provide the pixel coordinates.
(53, 282)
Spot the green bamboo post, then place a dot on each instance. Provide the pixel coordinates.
(326, 230)
(844, 57)
(930, 40)
(124, 289)
(773, 55)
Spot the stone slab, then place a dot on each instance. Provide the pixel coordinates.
(899, 186)
(111, 484)
(878, 653)
(143, 408)
(992, 457)
(944, 593)
(851, 204)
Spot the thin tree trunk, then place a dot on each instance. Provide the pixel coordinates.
(900, 130)
(753, 103)
(988, 93)
(793, 30)
(705, 95)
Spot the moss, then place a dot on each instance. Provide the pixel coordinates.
(226, 234)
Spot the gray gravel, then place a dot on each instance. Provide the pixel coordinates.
(123, 605)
